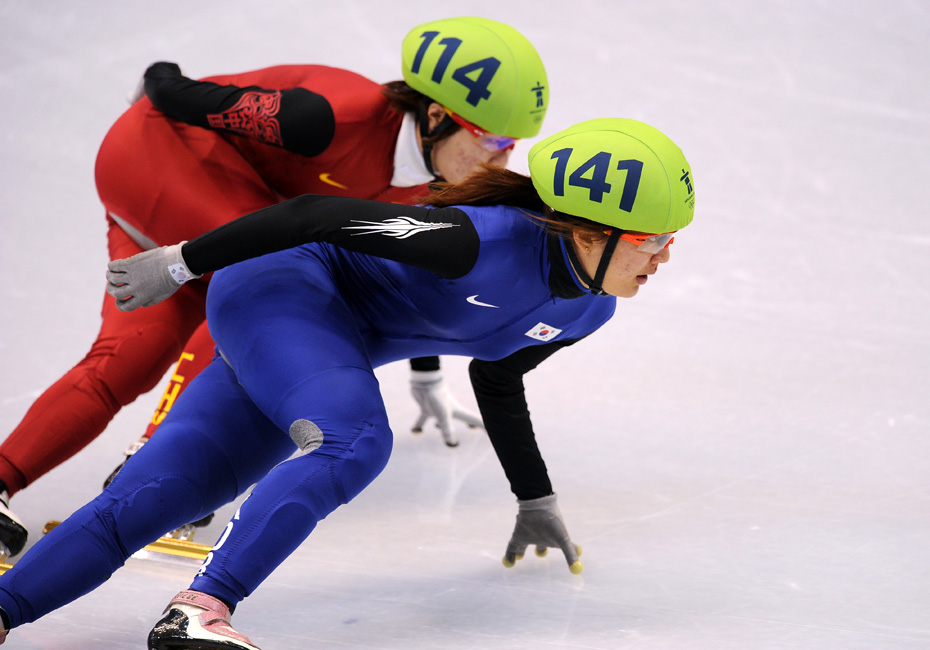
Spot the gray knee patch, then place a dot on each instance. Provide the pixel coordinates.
(306, 435)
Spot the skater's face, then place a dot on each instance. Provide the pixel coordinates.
(458, 155)
(629, 268)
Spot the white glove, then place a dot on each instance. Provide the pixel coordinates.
(436, 401)
(136, 93)
(147, 278)
(539, 522)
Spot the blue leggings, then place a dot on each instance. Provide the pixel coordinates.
(293, 356)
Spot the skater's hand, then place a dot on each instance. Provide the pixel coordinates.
(436, 401)
(158, 70)
(136, 93)
(539, 522)
(147, 278)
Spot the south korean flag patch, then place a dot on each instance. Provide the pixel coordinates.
(543, 332)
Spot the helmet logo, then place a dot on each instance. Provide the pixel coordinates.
(485, 68)
(538, 88)
(596, 184)
(686, 179)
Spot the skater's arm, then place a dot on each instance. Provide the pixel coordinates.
(499, 390)
(295, 119)
(501, 399)
(442, 240)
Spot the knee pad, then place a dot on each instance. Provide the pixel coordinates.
(306, 435)
(351, 466)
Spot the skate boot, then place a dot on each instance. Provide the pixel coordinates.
(186, 532)
(13, 533)
(4, 624)
(130, 450)
(197, 621)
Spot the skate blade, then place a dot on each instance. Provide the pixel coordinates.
(4, 555)
(185, 533)
(163, 546)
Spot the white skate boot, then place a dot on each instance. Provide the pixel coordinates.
(197, 621)
(130, 451)
(13, 533)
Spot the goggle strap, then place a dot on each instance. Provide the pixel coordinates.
(608, 253)
(426, 135)
(573, 257)
(594, 285)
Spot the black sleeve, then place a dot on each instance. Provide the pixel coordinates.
(295, 119)
(443, 240)
(501, 399)
(425, 364)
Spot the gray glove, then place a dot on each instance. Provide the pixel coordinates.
(147, 278)
(436, 401)
(539, 522)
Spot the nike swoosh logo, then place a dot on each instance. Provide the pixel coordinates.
(474, 300)
(326, 179)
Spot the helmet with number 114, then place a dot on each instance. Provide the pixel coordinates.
(617, 172)
(484, 71)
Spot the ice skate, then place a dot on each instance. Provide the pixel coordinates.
(186, 532)
(4, 622)
(130, 451)
(13, 533)
(193, 621)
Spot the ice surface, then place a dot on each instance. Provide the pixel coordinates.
(742, 452)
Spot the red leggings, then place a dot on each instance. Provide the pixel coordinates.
(196, 356)
(170, 182)
(133, 351)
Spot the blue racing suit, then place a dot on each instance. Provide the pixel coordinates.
(299, 328)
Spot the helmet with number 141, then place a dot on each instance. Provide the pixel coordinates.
(480, 70)
(618, 172)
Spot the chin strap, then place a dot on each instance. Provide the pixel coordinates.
(594, 285)
(426, 134)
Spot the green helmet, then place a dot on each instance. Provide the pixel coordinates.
(481, 69)
(618, 172)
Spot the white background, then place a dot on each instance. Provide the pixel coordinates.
(742, 452)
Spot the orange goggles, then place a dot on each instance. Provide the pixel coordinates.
(647, 243)
(487, 141)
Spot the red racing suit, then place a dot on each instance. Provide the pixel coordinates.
(270, 135)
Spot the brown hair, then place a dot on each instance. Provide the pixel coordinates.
(405, 99)
(492, 185)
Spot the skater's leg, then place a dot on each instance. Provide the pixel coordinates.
(213, 447)
(131, 354)
(299, 354)
(286, 505)
(197, 354)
